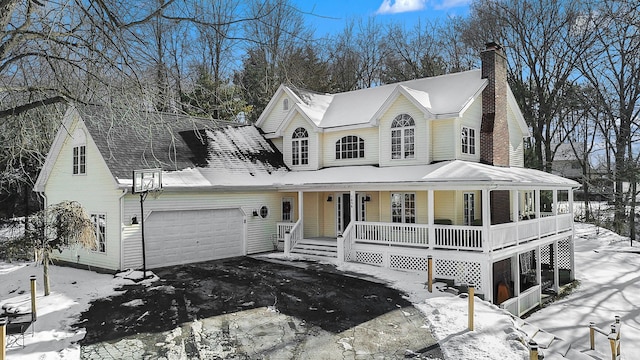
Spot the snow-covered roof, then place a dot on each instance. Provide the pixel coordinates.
(449, 174)
(445, 95)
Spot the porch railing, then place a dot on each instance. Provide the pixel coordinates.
(392, 234)
(296, 234)
(458, 237)
(282, 228)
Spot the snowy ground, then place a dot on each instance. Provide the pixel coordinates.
(606, 265)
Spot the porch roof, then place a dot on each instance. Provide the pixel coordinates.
(456, 173)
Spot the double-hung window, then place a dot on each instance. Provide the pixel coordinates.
(100, 228)
(468, 140)
(403, 208)
(402, 137)
(300, 147)
(350, 147)
(79, 160)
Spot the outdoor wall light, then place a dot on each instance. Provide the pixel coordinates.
(329, 198)
(367, 198)
(255, 212)
(134, 220)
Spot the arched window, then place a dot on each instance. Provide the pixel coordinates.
(350, 147)
(402, 137)
(300, 147)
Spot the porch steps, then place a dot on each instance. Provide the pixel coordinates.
(316, 247)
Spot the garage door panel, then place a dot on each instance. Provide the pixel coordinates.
(180, 237)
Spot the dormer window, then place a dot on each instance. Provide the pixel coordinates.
(468, 140)
(300, 147)
(350, 147)
(402, 137)
(285, 104)
(79, 153)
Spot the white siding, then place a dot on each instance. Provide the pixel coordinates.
(404, 106)
(516, 141)
(444, 139)
(275, 118)
(371, 148)
(96, 191)
(258, 231)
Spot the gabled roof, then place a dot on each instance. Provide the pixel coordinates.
(130, 140)
(440, 96)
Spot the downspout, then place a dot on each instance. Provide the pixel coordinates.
(44, 206)
(121, 199)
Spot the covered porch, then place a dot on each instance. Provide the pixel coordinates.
(466, 226)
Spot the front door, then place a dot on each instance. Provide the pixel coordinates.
(343, 210)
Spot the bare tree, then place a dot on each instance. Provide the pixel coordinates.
(542, 47)
(612, 67)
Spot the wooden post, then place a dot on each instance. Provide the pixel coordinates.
(533, 350)
(3, 337)
(430, 273)
(471, 305)
(619, 332)
(32, 279)
(592, 333)
(612, 341)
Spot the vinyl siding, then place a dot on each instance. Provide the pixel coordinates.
(258, 231)
(444, 139)
(444, 205)
(276, 116)
(421, 140)
(313, 216)
(516, 141)
(371, 147)
(329, 214)
(96, 191)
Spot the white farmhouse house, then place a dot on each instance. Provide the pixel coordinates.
(428, 167)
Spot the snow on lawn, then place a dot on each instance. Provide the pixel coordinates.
(71, 291)
(608, 269)
(609, 273)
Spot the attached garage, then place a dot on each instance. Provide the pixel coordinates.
(187, 236)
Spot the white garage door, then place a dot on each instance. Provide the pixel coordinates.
(181, 237)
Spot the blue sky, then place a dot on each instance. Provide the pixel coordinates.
(332, 14)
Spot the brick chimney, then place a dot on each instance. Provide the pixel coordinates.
(494, 130)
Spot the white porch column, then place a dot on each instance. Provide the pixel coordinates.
(556, 273)
(555, 208)
(430, 217)
(572, 249)
(539, 273)
(301, 210)
(486, 221)
(515, 269)
(536, 195)
(352, 205)
(515, 196)
(487, 279)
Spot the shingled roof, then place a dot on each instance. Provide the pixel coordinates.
(129, 140)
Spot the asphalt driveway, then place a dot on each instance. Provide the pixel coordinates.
(247, 308)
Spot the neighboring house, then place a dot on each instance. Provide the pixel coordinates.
(400, 172)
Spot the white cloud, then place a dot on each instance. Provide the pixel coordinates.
(400, 6)
(448, 4)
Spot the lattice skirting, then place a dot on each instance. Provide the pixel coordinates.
(462, 272)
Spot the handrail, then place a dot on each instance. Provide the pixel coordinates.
(296, 233)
